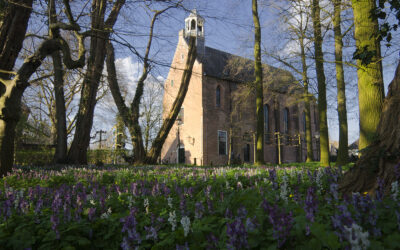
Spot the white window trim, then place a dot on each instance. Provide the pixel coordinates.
(226, 142)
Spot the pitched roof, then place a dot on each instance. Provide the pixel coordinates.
(223, 65)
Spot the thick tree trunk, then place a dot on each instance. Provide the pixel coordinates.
(158, 142)
(12, 35)
(343, 154)
(60, 115)
(370, 79)
(319, 65)
(259, 87)
(10, 111)
(381, 160)
(61, 119)
(307, 112)
(101, 32)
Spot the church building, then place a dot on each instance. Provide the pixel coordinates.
(217, 121)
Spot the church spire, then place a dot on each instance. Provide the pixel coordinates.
(194, 27)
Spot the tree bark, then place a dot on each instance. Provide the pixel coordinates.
(100, 34)
(343, 152)
(381, 160)
(259, 87)
(60, 112)
(307, 112)
(370, 78)
(158, 142)
(319, 65)
(12, 35)
(61, 119)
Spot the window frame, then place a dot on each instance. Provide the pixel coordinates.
(218, 96)
(286, 121)
(226, 141)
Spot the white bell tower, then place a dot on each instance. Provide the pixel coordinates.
(194, 27)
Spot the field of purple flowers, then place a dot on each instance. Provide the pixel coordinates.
(161, 207)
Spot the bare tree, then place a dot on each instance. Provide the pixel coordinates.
(13, 88)
(101, 30)
(258, 86)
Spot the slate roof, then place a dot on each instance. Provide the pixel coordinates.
(223, 65)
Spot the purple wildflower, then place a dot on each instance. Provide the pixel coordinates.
(237, 235)
(151, 233)
(133, 237)
(310, 204)
(185, 247)
(281, 221)
(54, 224)
(199, 210)
(212, 241)
(379, 191)
(272, 178)
(91, 213)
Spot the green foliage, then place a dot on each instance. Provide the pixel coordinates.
(364, 55)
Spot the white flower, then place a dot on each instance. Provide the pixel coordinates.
(395, 190)
(284, 189)
(172, 219)
(357, 238)
(106, 214)
(185, 221)
(227, 184)
(146, 202)
(169, 199)
(318, 180)
(130, 201)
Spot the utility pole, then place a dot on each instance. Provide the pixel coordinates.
(279, 147)
(101, 132)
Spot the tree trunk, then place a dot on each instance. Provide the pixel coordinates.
(12, 35)
(158, 142)
(343, 152)
(381, 160)
(370, 79)
(319, 65)
(61, 119)
(259, 87)
(307, 112)
(60, 115)
(101, 32)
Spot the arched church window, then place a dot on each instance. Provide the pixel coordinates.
(218, 96)
(193, 25)
(286, 121)
(286, 125)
